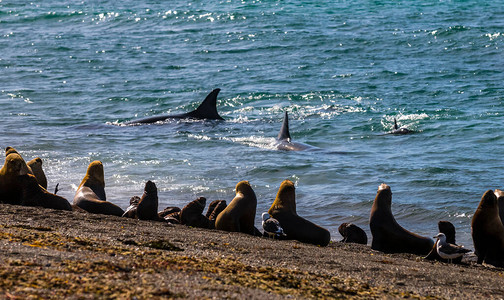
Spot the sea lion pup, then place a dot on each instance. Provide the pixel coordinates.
(131, 211)
(488, 232)
(36, 167)
(192, 214)
(352, 233)
(214, 209)
(33, 194)
(10, 188)
(90, 194)
(239, 215)
(448, 230)
(295, 227)
(171, 214)
(388, 235)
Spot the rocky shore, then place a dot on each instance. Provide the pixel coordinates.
(54, 254)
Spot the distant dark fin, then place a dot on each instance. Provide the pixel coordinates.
(395, 124)
(207, 109)
(284, 131)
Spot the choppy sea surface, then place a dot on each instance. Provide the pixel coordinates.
(71, 72)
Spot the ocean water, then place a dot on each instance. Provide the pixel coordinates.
(73, 71)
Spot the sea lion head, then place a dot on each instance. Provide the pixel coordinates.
(243, 187)
(285, 199)
(150, 187)
(383, 196)
(15, 165)
(94, 175)
(498, 193)
(488, 201)
(10, 150)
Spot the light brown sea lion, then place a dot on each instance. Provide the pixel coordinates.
(488, 232)
(36, 167)
(192, 214)
(9, 150)
(500, 202)
(388, 235)
(33, 194)
(90, 195)
(352, 233)
(295, 227)
(10, 189)
(448, 230)
(239, 215)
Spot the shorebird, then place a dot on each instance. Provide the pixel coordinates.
(271, 226)
(448, 251)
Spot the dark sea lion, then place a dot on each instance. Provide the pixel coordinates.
(192, 214)
(148, 205)
(36, 167)
(239, 215)
(170, 214)
(488, 232)
(206, 110)
(388, 235)
(131, 211)
(33, 194)
(500, 203)
(214, 209)
(352, 233)
(295, 227)
(90, 194)
(167, 211)
(448, 230)
(10, 188)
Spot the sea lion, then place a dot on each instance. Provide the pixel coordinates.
(295, 227)
(214, 209)
(131, 210)
(170, 214)
(33, 194)
(388, 235)
(448, 230)
(192, 214)
(90, 194)
(488, 232)
(36, 167)
(10, 188)
(239, 215)
(9, 150)
(352, 233)
(500, 202)
(148, 205)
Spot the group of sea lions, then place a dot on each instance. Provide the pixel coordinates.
(24, 183)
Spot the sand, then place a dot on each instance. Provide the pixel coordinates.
(53, 254)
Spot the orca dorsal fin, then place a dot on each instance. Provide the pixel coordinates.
(207, 109)
(284, 131)
(395, 124)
